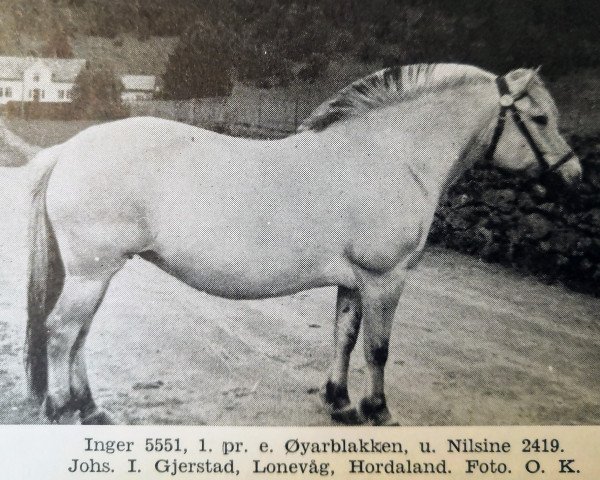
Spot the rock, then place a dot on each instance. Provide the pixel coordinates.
(544, 247)
(457, 222)
(564, 241)
(503, 199)
(561, 261)
(593, 176)
(474, 213)
(482, 238)
(539, 191)
(572, 219)
(586, 265)
(550, 209)
(593, 217)
(525, 202)
(461, 200)
(535, 226)
(585, 242)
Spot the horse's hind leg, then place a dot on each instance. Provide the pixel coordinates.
(81, 393)
(71, 316)
(347, 325)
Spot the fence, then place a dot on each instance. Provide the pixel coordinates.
(274, 115)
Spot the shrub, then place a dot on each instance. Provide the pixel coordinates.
(97, 94)
(201, 64)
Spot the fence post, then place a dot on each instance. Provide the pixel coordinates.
(260, 100)
(224, 111)
(296, 114)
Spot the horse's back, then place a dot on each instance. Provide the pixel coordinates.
(105, 180)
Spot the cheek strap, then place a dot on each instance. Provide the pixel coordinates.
(507, 102)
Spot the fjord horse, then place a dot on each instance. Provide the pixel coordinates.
(348, 201)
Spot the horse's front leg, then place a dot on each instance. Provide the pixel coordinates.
(347, 324)
(379, 299)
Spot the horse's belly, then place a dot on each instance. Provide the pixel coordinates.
(247, 275)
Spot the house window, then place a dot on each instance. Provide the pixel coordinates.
(43, 93)
(68, 93)
(36, 77)
(1, 92)
(8, 92)
(61, 94)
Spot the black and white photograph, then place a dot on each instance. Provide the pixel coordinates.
(300, 212)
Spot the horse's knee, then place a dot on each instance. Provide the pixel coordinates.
(379, 355)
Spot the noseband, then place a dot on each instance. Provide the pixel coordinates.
(507, 102)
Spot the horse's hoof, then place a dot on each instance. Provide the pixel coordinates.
(334, 397)
(348, 416)
(52, 412)
(390, 423)
(376, 412)
(99, 417)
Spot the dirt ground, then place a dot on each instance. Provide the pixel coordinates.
(473, 344)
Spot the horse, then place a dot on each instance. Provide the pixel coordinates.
(346, 201)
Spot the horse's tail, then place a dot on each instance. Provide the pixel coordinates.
(46, 279)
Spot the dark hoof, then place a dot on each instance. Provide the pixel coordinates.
(53, 413)
(334, 397)
(348, 416)
(376, 412)
(391, 423)
(99, 417)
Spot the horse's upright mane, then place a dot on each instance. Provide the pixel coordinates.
(389, 86)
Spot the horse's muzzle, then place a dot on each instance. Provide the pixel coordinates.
(570, 172)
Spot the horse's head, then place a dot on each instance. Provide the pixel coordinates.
(526, 137)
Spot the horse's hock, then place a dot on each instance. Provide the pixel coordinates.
(536, 227)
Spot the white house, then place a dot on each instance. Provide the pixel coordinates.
(138, 87)
(31, 79)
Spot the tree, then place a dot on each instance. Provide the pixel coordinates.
(57, 44)
(201, 64)
(97, 94)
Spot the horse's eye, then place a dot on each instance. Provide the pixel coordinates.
(540, 119)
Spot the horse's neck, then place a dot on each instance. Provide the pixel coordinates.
(441, 136)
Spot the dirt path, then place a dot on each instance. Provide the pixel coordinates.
(472, 344)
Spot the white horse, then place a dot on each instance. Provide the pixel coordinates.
(347, 201)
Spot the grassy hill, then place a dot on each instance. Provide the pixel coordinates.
(124, 53)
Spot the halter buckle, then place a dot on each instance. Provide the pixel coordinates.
(507, 100)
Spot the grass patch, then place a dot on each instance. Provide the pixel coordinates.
(46, 133)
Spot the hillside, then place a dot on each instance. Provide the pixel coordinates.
(498, 35)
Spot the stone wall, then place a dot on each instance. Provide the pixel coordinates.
(538, 227)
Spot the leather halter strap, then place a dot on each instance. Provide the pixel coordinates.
(507, 102)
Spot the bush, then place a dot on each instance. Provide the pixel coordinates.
(316, 66)
(201, 64)
(37, 111)
(57, 44)
(97, 94)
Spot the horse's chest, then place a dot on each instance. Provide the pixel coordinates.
(382, 241)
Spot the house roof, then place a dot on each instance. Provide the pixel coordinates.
(146, 83)
(62, 69)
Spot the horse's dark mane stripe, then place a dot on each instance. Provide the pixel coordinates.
(389, 86)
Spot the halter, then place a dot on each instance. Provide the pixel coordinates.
(507, 102)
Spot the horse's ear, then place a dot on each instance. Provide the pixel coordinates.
(518, 81)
